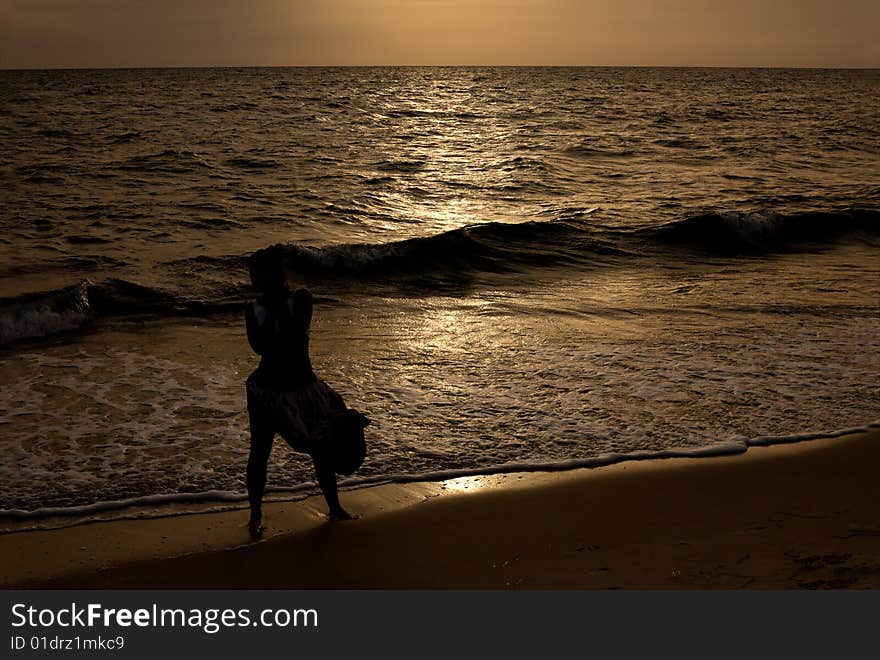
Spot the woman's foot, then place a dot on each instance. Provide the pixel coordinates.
(256, 528)
(341, 514)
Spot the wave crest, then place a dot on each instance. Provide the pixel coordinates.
(731, 233)
(491, 247)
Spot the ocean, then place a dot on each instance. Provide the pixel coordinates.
(514, 268)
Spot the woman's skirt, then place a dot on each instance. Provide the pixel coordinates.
(302, 417)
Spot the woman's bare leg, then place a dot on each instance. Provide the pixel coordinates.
(327, 482)
(262, 436)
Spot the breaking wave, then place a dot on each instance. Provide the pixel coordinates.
(439, 260)
(733, 233)
(39, 315)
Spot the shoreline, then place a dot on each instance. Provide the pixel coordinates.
(799, 514)
(13, 521)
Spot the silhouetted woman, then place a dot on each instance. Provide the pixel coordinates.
(283, 395)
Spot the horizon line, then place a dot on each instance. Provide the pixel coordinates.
(437, 66)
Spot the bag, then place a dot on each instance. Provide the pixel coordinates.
(348, 447)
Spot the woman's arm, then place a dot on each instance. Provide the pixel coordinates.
(257, 336)
(303, 306)
(262, 334)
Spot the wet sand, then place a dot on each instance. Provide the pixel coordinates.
(802, 515)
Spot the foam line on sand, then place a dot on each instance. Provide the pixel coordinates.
(798, 515)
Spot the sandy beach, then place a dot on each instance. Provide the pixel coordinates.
(801, 515)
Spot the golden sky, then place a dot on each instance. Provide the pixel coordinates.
(114, 33)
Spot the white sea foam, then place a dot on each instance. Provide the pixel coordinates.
(455, 386)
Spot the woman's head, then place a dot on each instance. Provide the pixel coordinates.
(267, 269)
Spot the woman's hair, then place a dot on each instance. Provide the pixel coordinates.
(267, 267)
